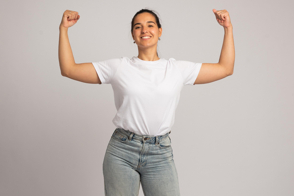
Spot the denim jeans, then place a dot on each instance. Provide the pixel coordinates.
(131, 158)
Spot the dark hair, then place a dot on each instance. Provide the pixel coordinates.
(149, 11)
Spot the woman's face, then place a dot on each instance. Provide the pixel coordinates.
(145, 30)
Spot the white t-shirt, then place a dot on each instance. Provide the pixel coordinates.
(146, 93)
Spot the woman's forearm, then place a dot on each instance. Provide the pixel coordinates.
(227, 57)
(65, 55)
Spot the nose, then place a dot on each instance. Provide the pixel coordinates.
(144, 30)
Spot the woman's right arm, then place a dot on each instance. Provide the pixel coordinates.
(83, 72)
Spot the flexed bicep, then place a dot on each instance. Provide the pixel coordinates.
(84, 72)
(211, 72)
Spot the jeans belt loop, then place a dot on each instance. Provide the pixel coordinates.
(131, 136)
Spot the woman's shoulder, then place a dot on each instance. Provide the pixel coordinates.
(171, 59)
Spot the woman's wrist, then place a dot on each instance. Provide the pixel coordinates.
(62, 28)
(229, 27)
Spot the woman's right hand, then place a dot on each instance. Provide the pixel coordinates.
(69, 18)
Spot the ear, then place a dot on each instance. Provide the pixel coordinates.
(160, 32)
(132, 35)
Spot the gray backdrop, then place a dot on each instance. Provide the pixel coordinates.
(230, 137)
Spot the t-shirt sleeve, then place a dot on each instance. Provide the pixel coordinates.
(189, 70)
(106, 69)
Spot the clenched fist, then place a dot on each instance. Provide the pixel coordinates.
(69, 18)
(222, 17)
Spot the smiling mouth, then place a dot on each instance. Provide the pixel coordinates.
(145, 37)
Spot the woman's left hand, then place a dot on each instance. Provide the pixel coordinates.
(223, 17)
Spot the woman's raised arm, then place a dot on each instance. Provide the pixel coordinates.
(211, 72)
(83, 72)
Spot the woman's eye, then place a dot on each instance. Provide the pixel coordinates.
(137, 27)
(150, 25)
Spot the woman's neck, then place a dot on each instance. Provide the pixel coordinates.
(148, 55)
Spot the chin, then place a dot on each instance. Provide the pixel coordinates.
(146, 45)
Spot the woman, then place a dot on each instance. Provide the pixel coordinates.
(147, 90)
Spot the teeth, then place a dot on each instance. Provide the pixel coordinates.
(145, 37)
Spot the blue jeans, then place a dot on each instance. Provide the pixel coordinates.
(131, 158)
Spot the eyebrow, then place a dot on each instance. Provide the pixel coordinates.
(147, 22)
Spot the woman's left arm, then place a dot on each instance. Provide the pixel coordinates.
(211, 72)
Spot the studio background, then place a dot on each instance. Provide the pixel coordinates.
(231, 137)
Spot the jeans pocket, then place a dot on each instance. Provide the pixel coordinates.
(120, 136)
(165, 143)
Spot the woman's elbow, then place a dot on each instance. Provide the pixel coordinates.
(231, 71)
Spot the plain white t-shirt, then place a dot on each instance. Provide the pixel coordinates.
(146, 93)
